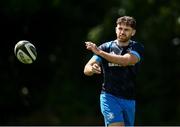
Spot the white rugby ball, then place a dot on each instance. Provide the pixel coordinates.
(25, 52)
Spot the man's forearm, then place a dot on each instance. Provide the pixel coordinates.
(87, 70)
(113, 58)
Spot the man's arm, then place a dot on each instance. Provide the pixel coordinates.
(92, 67)
(124, 60)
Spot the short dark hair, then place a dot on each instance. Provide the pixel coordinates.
(129, 21)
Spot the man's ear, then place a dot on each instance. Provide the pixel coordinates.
(115, 29)
(133, 32)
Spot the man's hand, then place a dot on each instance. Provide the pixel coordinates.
(91, 46)
(96, 69)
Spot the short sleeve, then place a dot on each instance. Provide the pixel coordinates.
(105, 46)
(97, 58)
(137, 49)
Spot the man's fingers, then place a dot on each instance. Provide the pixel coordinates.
(88, 43)
(96, 68)
(96, 71)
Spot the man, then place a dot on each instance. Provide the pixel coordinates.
(119, 60)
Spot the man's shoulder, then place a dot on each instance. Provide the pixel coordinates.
(108, 43)
(136, 43)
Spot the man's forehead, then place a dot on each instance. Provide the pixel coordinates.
(124, 25)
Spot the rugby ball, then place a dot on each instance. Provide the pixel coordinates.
(25, 52)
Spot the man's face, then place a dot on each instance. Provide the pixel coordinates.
(124, 32)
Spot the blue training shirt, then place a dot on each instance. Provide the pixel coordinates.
(120, 80)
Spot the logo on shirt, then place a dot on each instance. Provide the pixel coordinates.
(113, 64)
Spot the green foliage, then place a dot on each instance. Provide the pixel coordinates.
(64, 96)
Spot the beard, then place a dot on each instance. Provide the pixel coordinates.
(123, 38)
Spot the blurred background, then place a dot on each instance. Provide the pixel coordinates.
(54, 91)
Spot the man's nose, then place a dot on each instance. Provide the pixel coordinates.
(122, 31)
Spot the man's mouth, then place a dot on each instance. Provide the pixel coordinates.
(122, 36)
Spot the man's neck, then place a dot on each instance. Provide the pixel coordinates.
(122, 43)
